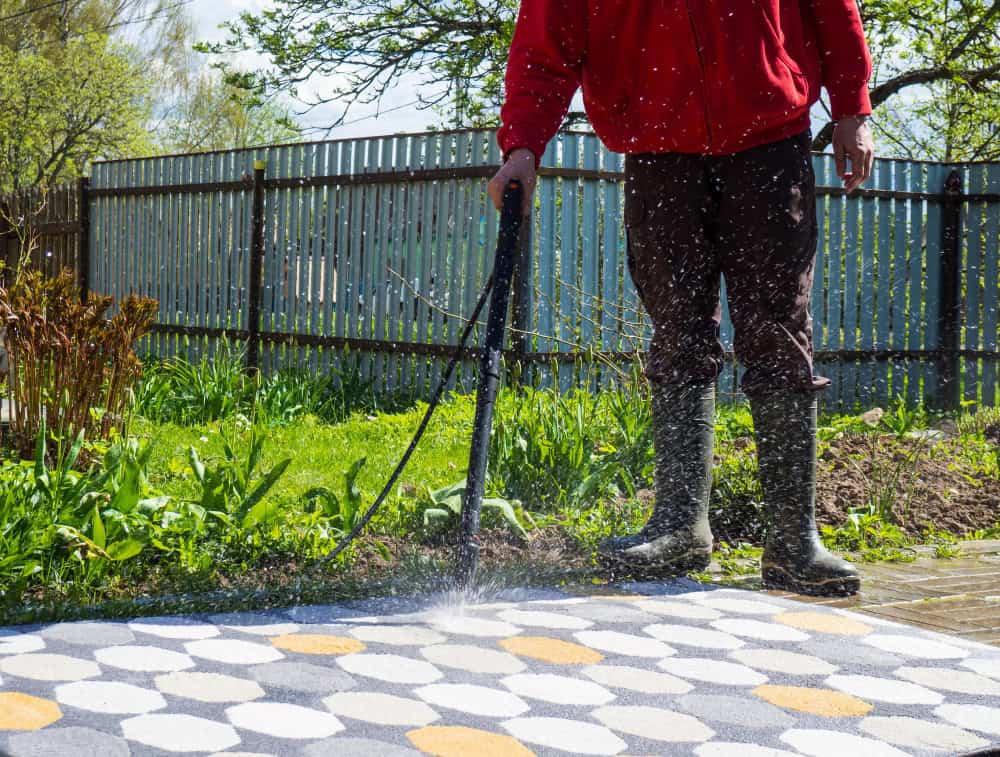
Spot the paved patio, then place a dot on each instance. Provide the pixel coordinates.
(666, 668)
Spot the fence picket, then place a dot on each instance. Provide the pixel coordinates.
(852, 254)
(864, 394)
(916, 260)
(883, 174)
(568, 258)
(975, 183)
(991, 277)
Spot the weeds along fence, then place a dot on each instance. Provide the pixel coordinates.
(378, 247)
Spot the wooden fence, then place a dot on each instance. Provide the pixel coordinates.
(380, 246)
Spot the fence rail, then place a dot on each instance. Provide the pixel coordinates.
(381, 245)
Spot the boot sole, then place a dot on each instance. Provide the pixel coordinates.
(621, 567)
(779, 578)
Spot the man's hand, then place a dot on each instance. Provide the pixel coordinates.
(521, 166)
(853, 139)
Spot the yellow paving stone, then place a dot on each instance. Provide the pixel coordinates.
(459, 741)
(824, 623)
(551, 650)
(23, 712)
(316, 643)
(830, 704)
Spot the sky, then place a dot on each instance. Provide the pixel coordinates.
(209, 14)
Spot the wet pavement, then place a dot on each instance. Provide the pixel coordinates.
(665, 668)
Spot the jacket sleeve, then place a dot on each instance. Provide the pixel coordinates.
(846, 60)
(543, 73)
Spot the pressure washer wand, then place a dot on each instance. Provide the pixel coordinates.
(489, 380)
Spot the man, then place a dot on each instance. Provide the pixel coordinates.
(710, 102)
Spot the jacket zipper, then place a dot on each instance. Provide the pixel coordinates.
(701, 65)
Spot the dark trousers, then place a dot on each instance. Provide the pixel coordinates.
(750, 217)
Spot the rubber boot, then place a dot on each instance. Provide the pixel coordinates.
(677, 538)
(794, 557)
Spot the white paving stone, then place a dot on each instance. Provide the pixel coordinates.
(381, 709)
(466, 625)
(636, 679)
(741, 606)
(782, 661)
(976, 717)
(675, 609)
(175, 630)
(209, 687)
(475, 700)
(654, 723)
(759, 630)
(985, 667)
(572, 736)
(922, 734)
(542, 619)
(628, 644)
(390, 667)
(180, 733)
(110, 697)
(286, 721)
(267, 629)
(693, 636)
(49, 667)
(233, 651)
(884, 689)
(21, 643)
(823, 743)
(946, 679)
(143, 659)
(914, 646)
(399, 636)
(712, 671)
(473, 659)
(557, 689)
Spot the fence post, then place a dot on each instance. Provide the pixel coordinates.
(950, 313)
(83, 246)
(256, 267)
(521, 306)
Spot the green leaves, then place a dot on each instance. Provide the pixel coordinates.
(447, 505)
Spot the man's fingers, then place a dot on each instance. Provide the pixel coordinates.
(840, 157)
(869, 165)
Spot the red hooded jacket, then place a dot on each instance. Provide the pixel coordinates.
(696, 76)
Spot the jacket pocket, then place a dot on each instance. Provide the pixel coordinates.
(772, 32)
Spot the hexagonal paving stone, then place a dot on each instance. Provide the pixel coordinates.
(462, 625)
(989, 667)
(630, 645)
(693, 636)
(884, 689)
(144, 659)
(915, 646)
(180, 733)
(381, 709)
(209, 687)
(823, 743)
(287, 721)
(636, 679)
(49, 667)
(677, 609)
(823, 702)
(946, 679)
(758, 630)
(21, 643)
(174, 628)
(824, 622)
(782, 661)
(922, 734)
(302, 677)
(473, 659)
(745, 713)
(318, 644)
(557, 689)
(233, 651)
(23, 712)
(712, 671)
(975, 717)
(555, 651)
(654, 723)
(459, 741)
(390, 667)
(90, 633)
(402, 635)
(543, 619)
(572, 736)
(475, 700)
(111, 697)
(61, 742)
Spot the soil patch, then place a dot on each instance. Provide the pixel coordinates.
(930, 483)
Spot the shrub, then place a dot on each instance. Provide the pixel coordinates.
(68, 363)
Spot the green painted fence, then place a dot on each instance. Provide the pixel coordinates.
(381, 245)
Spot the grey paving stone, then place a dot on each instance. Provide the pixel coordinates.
(619, 612)
(846, 652)
(89, 633)
(303, 677)
(348, 747)
(60, 742)
(742, 711)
